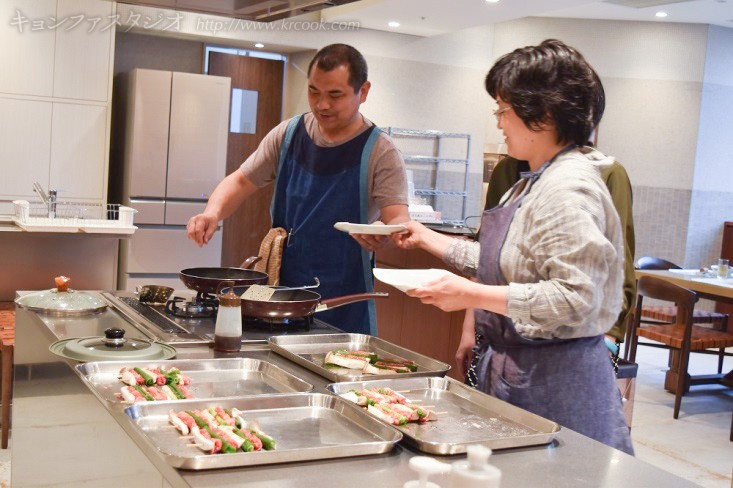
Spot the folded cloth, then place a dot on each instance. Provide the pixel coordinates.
(271, 252)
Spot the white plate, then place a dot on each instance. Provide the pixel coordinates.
(690, 272)
(375, 229)
(408, 279)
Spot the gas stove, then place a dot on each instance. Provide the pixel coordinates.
(184, 320)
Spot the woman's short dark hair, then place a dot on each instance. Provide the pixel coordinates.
(551, 82)
(335, 55)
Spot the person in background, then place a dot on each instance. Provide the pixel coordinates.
(549, 261)
(329, 165)
(504, 175)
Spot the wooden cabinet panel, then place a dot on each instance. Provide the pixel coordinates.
(726, 251)
(25, 144)
(409, 323)
(27, 54)
(426, 329)
(389, 313)
(392, 257)
(456, 329)
(82, 67)
(78, 137)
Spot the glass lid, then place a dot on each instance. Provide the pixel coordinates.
(112, 347)
(62, 300)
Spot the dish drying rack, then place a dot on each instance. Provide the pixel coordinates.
(59, 216)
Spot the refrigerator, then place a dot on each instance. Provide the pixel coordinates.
(171, 149)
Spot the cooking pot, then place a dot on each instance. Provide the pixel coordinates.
(209, 280)
(62, 301)
(296, 303)
(112, 347)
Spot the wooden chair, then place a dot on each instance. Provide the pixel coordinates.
(668, 313)
(681, 336)
(7, 349)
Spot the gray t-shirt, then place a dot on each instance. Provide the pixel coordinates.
(387, 177)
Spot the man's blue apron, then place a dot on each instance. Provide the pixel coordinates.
(315, 188)
(569, 381)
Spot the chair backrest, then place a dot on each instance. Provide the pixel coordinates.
(651, 287)
(650, 262)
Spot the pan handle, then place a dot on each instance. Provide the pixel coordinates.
(330, 303)
(250, 261)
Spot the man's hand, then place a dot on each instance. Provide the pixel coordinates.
(201, 227)
(371, 242)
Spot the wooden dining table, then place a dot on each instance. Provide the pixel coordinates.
(712, 288)
(705, 286)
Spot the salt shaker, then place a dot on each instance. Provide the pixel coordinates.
(228, 329)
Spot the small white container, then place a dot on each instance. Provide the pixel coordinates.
(475, 472)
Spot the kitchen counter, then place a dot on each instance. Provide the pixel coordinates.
(63, 436)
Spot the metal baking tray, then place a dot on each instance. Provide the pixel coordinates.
(210, 378)
(305, 426)
(310, 352)
(465, 416)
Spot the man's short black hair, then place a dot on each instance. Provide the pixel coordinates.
(551, 82)
(334, 55)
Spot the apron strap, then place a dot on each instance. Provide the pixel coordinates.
(283, 152)
(366, 260)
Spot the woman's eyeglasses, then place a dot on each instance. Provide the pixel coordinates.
(499, 112)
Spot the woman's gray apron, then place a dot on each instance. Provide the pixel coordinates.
(568, 381)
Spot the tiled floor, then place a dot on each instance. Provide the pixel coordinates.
(695, 446)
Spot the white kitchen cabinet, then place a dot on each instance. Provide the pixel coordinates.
(78, 151)
(82, 67)
(26, 52)
(25, 146)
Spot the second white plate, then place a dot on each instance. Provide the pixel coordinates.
(374, 229)
(408, 279)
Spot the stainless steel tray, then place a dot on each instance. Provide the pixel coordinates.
(465, 416)
(305, 426)
(210, 378)
(310, 352)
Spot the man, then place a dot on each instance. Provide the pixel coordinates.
(504, 175)
(329, 165)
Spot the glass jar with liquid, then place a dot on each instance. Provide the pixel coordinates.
(228, 329)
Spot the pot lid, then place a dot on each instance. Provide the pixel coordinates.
(112, 347)
(62, 300)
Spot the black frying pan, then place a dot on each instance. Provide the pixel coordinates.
(209, 280)
(296, 303)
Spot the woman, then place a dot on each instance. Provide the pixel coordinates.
(549, 263)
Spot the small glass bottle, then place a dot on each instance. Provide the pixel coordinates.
(228, 330)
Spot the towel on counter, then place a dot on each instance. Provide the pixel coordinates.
(271, 252)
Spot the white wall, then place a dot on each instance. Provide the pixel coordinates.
(652, 74)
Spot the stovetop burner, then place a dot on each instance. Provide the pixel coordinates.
(202, 305)
(278, 324)
(170, 324)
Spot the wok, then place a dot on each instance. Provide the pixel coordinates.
(296, 303)
(209, 280)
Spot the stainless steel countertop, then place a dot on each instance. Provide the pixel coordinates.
(63, 436)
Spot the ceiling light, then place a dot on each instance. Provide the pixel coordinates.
(492, 1)
(259, 45)
(661, 15)
(393, 23)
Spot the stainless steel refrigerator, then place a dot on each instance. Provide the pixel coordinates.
(172, 133)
